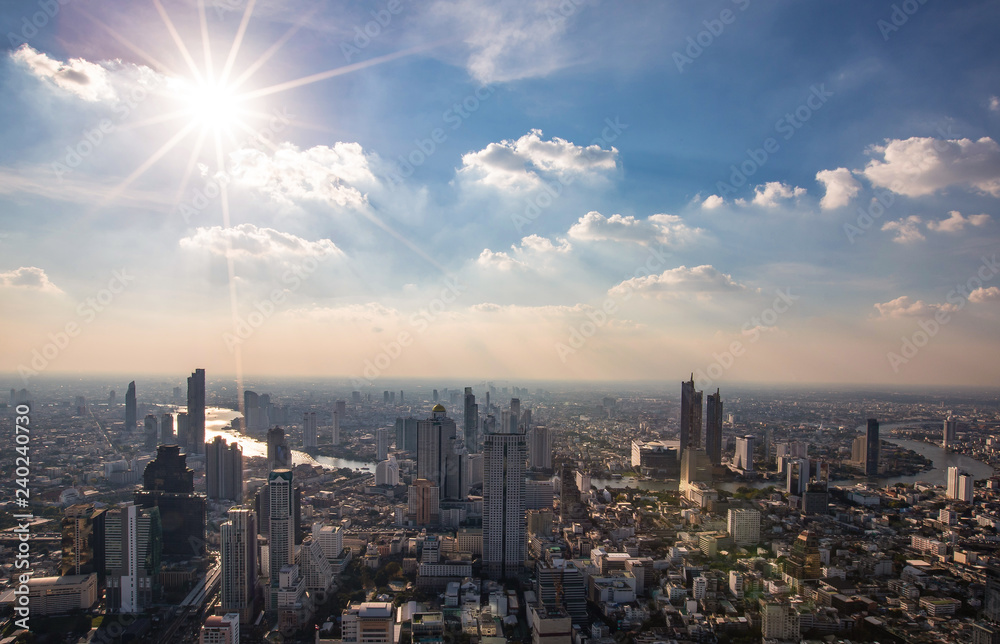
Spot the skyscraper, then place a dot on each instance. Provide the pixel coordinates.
(713, 428)
(238, 551)
(278, 454)
(281, 532)
(131, 419)
(381, 444)
(168, 484)
(133, 545)
(424, 502)
(570, 506)
(335, 428)
(950, 431)
(406, 435)
(690, 415)
(196, 412)
(540, 451)
(83, 541)
(872, 448)
(504, 455)
(744, 453)
(151, 431)
(471, 421)
(309, 429)
(167, 429)
(223, 470)
(437, 458)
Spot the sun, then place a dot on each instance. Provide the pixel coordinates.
(212, 105)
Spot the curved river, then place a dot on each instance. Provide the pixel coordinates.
(941, 460)
(217, 421)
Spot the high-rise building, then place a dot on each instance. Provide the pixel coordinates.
(255, 418)
(804, 562)
(335, 428)
(131, 413)
(560, 583)
(223, 470)
(437, 458)
(744, 453)
(424, 503)
(540, 448)
(111, 398)
(83, 541)
(690, 415)
(368, 623)
(381, 444)
(570, 506)
(872, 448)
(133, 543)
(238, 552)
(504, 455)
(167, 429)
(182, 428)
(278, 454)
(713, 428)
(281, 531)
(387, 472)
(220, 629)
(151, 431)
(743, 526)
(406, 435)
(471, 421)
(196, 411)
(950, 433)
(797, 476)
(340, 407)
(168, 484)
(309, 429)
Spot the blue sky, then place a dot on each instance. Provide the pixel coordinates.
(780, 192)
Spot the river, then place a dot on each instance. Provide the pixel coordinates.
(941, 460)
(217, 423)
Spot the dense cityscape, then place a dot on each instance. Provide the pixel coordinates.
(552, 513)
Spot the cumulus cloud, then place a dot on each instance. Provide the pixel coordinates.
(321, 173)
(247, 240)
(85, 79)
(699, 280)
(28, 278)
(522, 164)
(907, 230)
(499, 260)
(922, 165)
(371, 313)
(981, 294)
(538, 244)
(773, 191)
(906, 307)
(712, 202)
(841, 187)
(664, 229)
(956, 222)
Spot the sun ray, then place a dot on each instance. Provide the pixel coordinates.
(254, 135)
(189, 168)
(148, 163)
(237, 43)
(338, 71)
(206, 44)
(230, 263)
(272, 50)
(153, 120)
(406, 242)
(181, 47)
(160, 66)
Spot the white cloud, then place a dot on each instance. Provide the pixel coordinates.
(29, 278)
(921, 165)
(956, 222)
(841, 187)
(712, 202)
(698, 280)
(981, 294)
(665, 229)
(772, 191)
(542, 245)
(995, 103)
(247, 240)
(371, 313)
(506, 39)
(85, 79)
(520, 164)
(321, 173)
(905, 307)
(499, 260)
(907, 230)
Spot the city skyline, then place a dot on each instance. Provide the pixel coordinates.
(483, 189)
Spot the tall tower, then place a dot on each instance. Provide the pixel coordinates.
(471, 421)
(381, 444)
(168, 484)
(872, 448)
(713, 428)
(278, 454)
(540, 448)
(744, 453)
(309, 429)
(690, 415)
(196, 412)
(133, 545)
(504, 455)
(223, 470)
(131, 419)
(238, 550)
(437, 459)
(281, 532)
